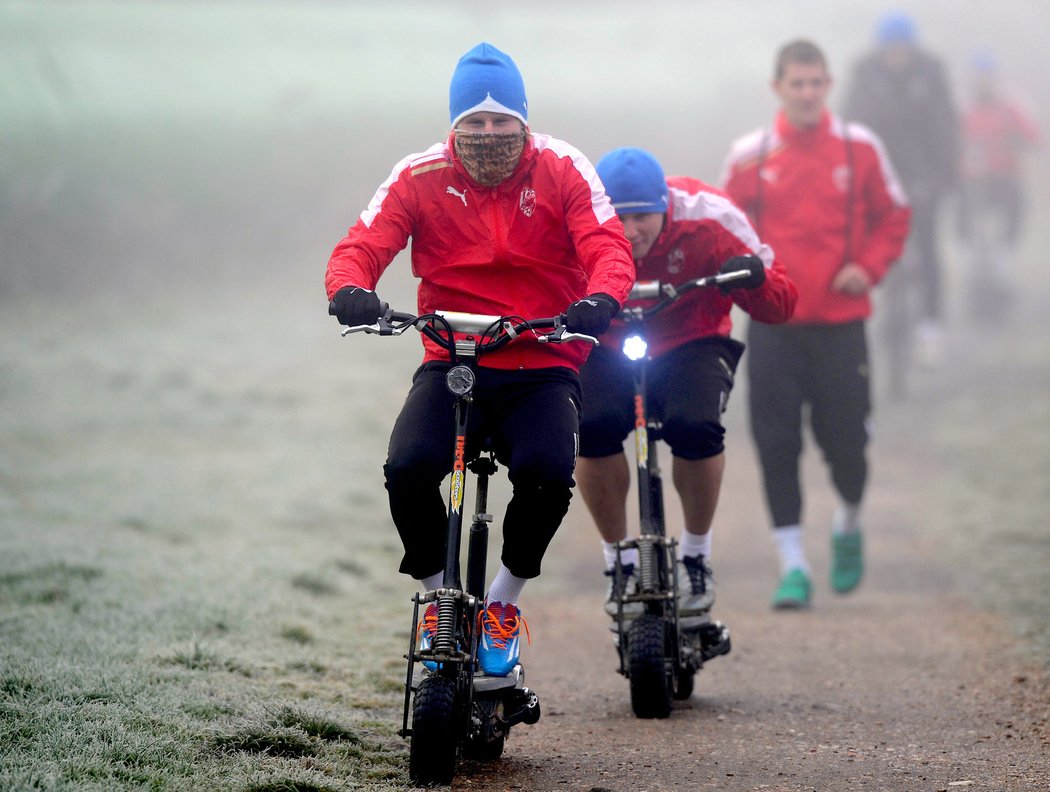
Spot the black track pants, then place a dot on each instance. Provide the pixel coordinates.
(822, 369)
(532, 420)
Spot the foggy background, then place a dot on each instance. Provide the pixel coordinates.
(148, 148)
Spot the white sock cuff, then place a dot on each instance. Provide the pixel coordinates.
(506, 588)
(790, 548)
(432, 582)
(846, 518)
(628, 556)
(691, 544)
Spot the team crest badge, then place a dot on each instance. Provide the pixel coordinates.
(840, 178)
(527, 202)
(675, 259)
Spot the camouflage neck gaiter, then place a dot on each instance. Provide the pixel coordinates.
(490, 157)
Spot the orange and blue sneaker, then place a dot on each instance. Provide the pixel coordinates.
(499, 646)
(426, 628)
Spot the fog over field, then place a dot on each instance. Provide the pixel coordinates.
(147, 145)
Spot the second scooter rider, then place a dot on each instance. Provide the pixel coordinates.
(679, 229)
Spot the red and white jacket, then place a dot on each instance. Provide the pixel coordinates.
(995, 133)
(703, 229)
(529, 247)
(821, 197)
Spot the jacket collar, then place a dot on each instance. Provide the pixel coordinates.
(793, 134)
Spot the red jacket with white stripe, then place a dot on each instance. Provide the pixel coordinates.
(821, 197)
(531, 246)
(995, 133)
(703, 229)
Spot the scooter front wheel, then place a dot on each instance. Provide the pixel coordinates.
(684, 688)
(432, 754)
(647, 667)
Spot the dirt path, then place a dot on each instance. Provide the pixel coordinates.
(903, 685)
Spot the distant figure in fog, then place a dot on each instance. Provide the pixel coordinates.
(902, 93)
(824, 195)
(997, 131)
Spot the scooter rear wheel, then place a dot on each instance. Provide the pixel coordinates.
(432, 754)
(647, 667)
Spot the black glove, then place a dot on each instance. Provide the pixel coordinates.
(591, 315)
(752, 264)
(355, 306)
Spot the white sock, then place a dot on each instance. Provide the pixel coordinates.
(629, 556)
(432, 582)
(506, 588)
(790, 548)
(846, 519)
(692, 545)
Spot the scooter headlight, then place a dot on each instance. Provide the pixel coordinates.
(634, 347)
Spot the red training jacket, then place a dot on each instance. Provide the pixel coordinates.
(529, 247)
(821, 197)
(703, 229)
(995, 133)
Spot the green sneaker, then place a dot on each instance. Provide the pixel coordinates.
(793, 591)
(847, 561)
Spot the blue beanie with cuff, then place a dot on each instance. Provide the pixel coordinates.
(634, 181)
(486, 80)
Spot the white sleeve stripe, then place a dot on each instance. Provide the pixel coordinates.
(435, 152)
(721, 210)
(746, 148)
(600, 203)
(862, 134)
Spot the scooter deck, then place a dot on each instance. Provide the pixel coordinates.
(483, 683)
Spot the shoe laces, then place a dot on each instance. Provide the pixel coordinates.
(502, 623)
(429, 622)
(694, 567)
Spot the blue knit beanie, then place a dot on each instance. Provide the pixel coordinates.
(634, 181)
(486, 80)
(896, 27)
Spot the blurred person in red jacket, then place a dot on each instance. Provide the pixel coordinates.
(679, 229)
(997, 131)
(503, 222)
(824, 195)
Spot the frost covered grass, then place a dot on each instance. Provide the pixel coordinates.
(198, 587)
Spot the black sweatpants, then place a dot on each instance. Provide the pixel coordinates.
(532, 420)
(822, 368)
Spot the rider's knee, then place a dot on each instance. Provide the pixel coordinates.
(694, 440)
(407, 472)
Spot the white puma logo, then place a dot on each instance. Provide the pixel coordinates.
(450, 190)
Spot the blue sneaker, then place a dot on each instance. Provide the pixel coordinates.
(500, 644)
(426, 629)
